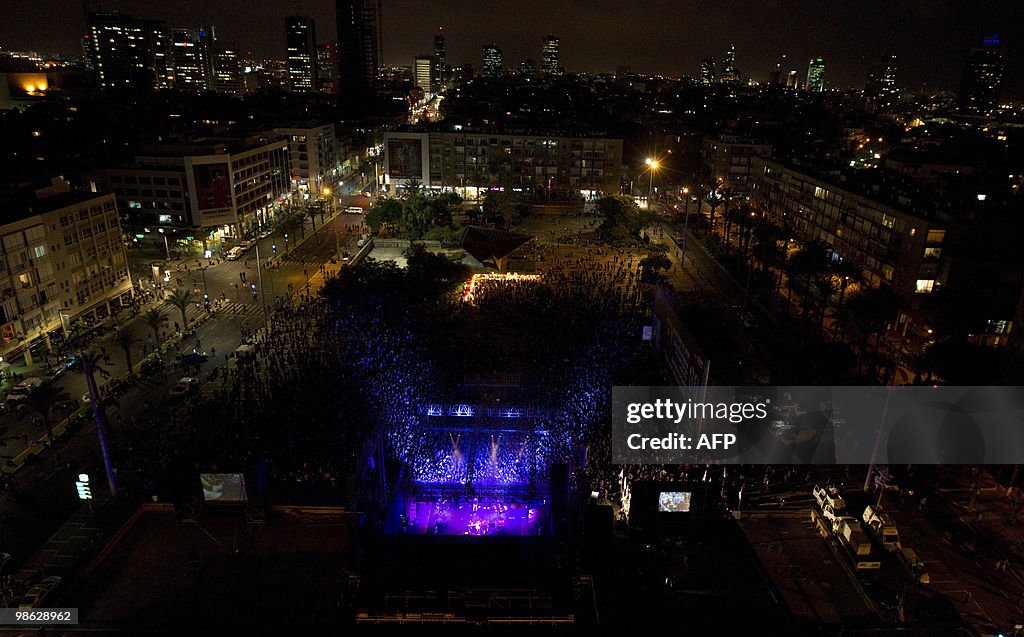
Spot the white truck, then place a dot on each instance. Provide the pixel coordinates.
(831, 502)
(881, 528)
(856, 543)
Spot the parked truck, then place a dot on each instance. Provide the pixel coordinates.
(830, 501)
(856, 543)
(881, 528)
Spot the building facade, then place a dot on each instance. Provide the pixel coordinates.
(549, 55)
(62, 258)
(880, 90)
(729, 158)
(492, 61)
(359, 52)
(313, 159)
(816, 75)
(472, 162)
(424, 67)
(982, 81)
(891, 246)
(128, 54)
(204, 190)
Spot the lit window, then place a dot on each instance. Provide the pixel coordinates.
(998, 327)
(932, 253)
(936, 236)
(135, 204)
(925, 286)
(888, 221)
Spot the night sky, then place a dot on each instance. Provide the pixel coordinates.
(931, 37)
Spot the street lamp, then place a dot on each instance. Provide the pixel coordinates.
(652, 164)
(686, 222)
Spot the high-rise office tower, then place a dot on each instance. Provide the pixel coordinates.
(227, 70)
(127, 54)
(730, 74)
(707, 71)
(359, 51)
(880, 88)
(816, 75)
(300, 38)
(423, 70)
(190, 60)
(549, 55)
(440, 58)
(327, 67)
(793, 79)
(528, 67)
(492, 61)
(982, 81)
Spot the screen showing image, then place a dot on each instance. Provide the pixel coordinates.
(674, 502)
(223, 487)
(405, 158)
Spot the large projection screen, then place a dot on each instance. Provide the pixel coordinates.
(674, 502)
(223, 487)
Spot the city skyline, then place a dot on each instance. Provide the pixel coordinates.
(932, 40)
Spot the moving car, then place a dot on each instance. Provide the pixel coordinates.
(234, 253)
(38, 593)
(184, 386)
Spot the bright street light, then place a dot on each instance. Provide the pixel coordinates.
(653, 164)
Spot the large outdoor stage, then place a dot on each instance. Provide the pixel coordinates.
(477, 471)
(476, 516)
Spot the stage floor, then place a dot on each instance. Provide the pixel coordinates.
(480, 516)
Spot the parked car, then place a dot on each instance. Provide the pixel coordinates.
(194, 358)
(36, 595)
(151, 365)
(184, 386)
(20, 392)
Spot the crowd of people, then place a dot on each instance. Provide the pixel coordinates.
(338, 390)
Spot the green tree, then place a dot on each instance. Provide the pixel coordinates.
(417, 214)
(622, 217)
(155, 318)
(181, 299)
(45, 400)
(386, 213)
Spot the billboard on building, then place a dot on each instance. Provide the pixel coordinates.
(210, 189)
(405, 158)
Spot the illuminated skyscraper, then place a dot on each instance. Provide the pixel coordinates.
(982, 80)
(440, 58)
(549, 55)
(730, 74)
(359, 51)
(227, 70)
(880, 88)
(128, 54)
(424, 67)
(300, 37)
(190, 58)
(707, 71)
(816, 75)
(492, 61)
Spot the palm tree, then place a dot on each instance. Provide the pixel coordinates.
(125, 337)
(181, 299)
(311, 212)
(91, 364)
(44, 400)
(155, 319)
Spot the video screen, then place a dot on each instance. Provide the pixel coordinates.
(223, 487)
(674, 502)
